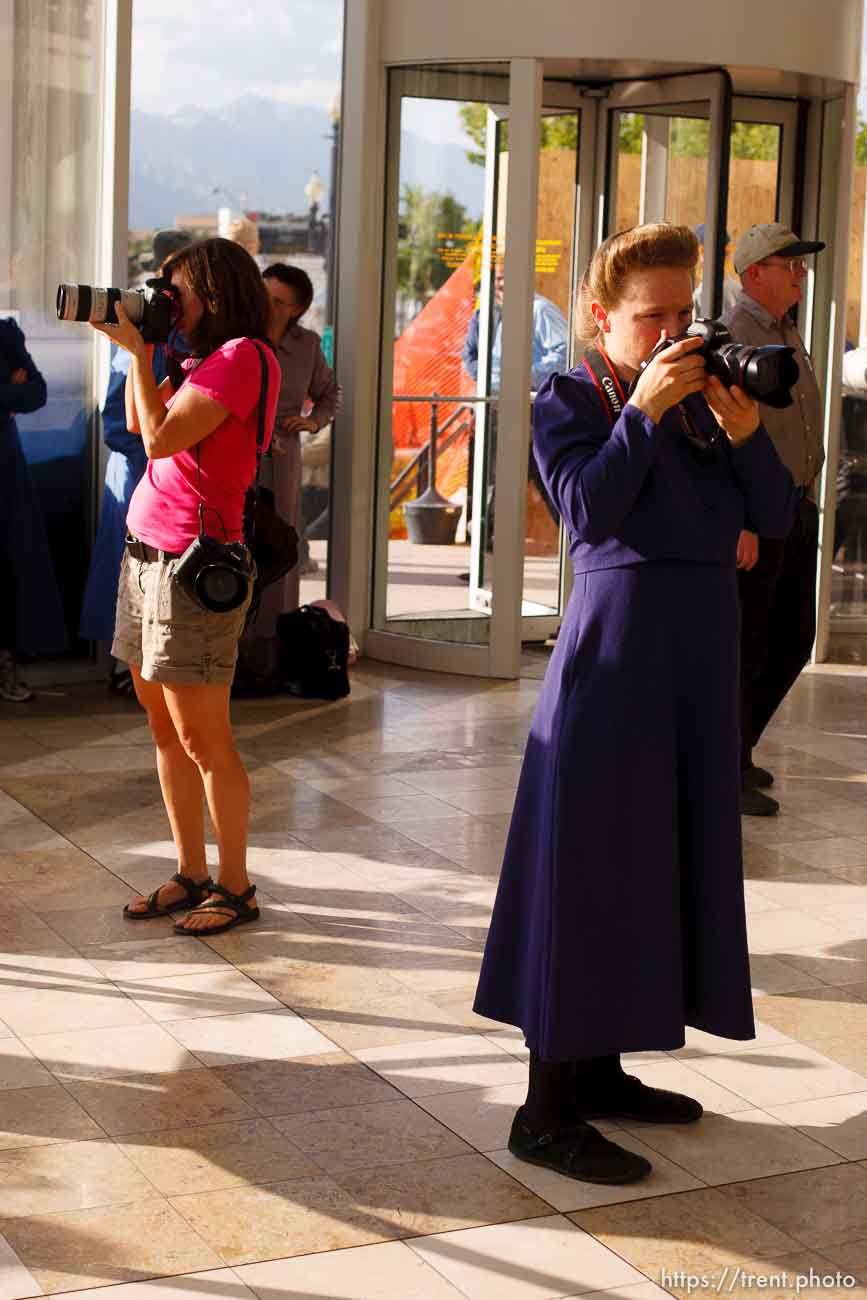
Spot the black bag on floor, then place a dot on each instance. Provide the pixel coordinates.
(314, 650)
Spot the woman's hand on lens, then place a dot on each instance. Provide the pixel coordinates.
(672, 375)
(124, 333)
(737, 414)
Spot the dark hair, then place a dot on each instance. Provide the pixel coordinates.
(226, 280)
(295, 279)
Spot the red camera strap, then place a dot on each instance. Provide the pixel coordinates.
(610, 390)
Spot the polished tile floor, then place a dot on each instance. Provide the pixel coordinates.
(309, 1108)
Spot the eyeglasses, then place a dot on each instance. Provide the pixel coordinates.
(794, 265)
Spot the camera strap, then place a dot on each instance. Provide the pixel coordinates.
(260, 447)
(599, 368)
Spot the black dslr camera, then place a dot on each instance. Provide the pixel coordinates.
(214, 574)
(154, 310)
(766, 374)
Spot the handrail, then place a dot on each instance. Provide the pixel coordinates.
(396, 497)
(439, 397)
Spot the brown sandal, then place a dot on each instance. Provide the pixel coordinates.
(196, 892)
(222, 901)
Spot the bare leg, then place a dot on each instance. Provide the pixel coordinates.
(181, 786)
(200, 714)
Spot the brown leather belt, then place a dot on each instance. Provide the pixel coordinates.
(141, 551)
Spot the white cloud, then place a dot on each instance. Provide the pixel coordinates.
(220, 49)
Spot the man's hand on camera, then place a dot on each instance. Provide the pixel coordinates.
(748, 550)
(298, 424)
(737, 414)
(671, 376)
(18, 376)
(124, 333)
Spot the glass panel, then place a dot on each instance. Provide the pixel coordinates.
(52, 151)
(662, 169)
(848, 608)
(754, 177)
(555, 226)
(443, 382)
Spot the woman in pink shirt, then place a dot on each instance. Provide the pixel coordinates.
(201, 447)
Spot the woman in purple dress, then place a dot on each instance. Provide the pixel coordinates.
(619, 918)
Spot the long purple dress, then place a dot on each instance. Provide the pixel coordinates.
(619, 917)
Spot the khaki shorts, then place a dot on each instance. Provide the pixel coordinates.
(167, 634)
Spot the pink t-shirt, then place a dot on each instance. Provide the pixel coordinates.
(164, 510)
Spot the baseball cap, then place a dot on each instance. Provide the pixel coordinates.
(770, 239)
(166, 242)
(699, 234)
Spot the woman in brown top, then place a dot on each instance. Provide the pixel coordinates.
(305, 374)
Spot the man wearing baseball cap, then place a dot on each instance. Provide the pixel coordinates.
(777, 577)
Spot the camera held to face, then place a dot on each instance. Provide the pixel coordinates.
(766, 374)
(154, 310)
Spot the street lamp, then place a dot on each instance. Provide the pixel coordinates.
(314, 192)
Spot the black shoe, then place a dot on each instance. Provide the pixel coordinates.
(626, 1097)
(757, 778)
(756, 804)
(579, 1152)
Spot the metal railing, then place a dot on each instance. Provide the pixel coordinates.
(412, 478)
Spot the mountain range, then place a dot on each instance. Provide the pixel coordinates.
(194, 161)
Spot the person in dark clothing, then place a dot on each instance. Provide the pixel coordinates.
(777, 575)
(619, 917)
(31, 614)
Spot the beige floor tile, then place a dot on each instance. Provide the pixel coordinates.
(838, 964)
(45, 993)
(249, 1036)
(68, 1176)
(209, 1157)
(208, 993)
(698, 1043)
(815, 1014)
(826, 892)
(727, 1148)
(764, 862)
(219, 1282)
(536, 1260)
(818, 1208)
(772, 1076)
(781, 832)
(31, 1117)
(138, 1103)
(849, 1051)
(849, 921)
(23, 932)
(72, 1250)
(48, 864)
(143, 959)
(679, 1076)
(404, 1017)
(462, 779)
(360, 1137)
(699, 1232)
(851, 1258)
(788, 929)
(497, 800)
(566, 1194)
(481, 1116)
(445, 1065)
(832, 851)
(837, 1122)
(246, 1224)
(769, 974)
(385, 1271)
(15, 1280)
(19, 1068)
(85, 926)
(143, 1048)
(82, 886)
(436, 1195)
(304, 1084)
